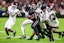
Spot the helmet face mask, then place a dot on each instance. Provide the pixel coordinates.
(43, 8)
(14, 7)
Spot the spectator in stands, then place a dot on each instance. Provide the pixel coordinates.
(0, 9)
(62, 7)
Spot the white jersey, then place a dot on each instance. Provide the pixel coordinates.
(46, 13)
(26, 13)
(12, 13)
(53, 21)
(12, 17)
(39, 11)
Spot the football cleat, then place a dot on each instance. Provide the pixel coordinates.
(8, 37)
(38, 38)
(63, 34)
(14, 33)
(23, 36)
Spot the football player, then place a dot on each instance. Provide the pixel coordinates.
(12, 11)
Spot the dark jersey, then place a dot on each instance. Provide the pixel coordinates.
(35, 16)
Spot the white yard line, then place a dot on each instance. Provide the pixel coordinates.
(2, 31)
(26, 37)
(15, 37)
(29, 37)
(57, 38)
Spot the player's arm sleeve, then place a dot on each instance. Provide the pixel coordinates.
(19, 13)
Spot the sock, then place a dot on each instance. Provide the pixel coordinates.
(6, 31)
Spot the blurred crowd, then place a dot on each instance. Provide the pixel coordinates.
(58, 4)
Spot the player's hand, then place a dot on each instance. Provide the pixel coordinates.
(28, 16)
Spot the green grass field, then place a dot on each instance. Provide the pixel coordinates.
(28, 31)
